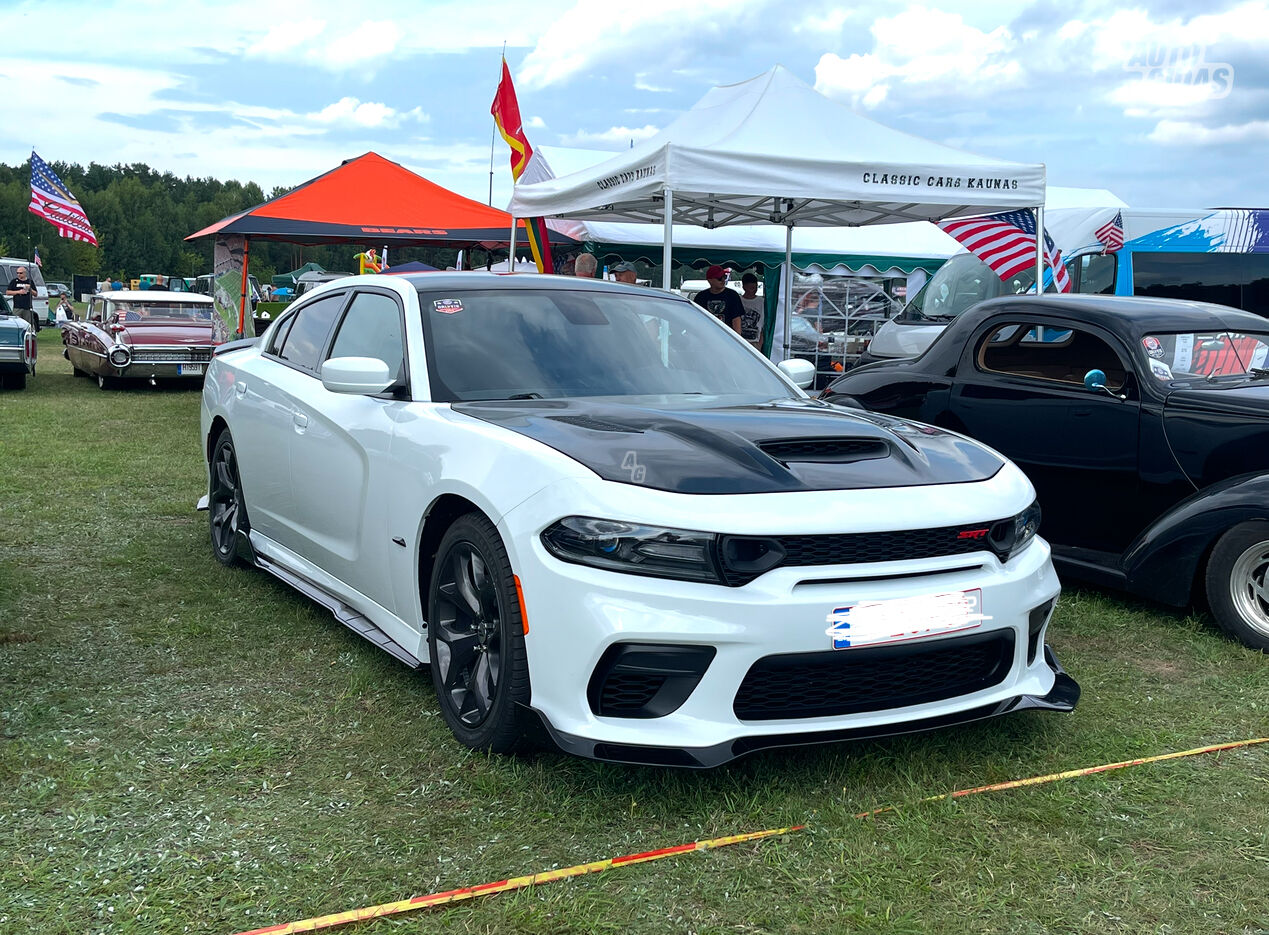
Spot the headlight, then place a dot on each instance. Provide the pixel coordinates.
(120, 356)
(634, 549)
(1011, 536)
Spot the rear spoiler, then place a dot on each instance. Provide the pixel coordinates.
(233, 346)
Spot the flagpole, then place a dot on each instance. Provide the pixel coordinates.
(493, 132)
(1039, 250)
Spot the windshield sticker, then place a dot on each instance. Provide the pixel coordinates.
(1160, 369)
(1153, 348)
(447, 306)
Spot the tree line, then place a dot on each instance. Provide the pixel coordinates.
(141, 218)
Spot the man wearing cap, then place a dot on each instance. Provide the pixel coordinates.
(719, 301)
(625, 272)
(751, 325)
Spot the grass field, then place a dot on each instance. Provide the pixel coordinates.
(186, 748)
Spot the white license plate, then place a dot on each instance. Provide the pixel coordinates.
(190, 370)
(875, 623)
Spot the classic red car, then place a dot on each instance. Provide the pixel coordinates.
(148, 335)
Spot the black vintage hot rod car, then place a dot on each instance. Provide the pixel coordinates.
(1143, 424)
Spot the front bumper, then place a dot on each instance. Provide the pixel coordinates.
(577, 614)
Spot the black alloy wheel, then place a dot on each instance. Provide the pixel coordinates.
(226, 508)
(475, 638)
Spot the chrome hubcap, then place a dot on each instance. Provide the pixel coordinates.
(1249, 588)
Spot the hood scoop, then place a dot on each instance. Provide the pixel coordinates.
(824, 450)
(595, 425)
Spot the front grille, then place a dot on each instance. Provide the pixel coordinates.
(624, 694)
(825, 450)
(853, 681)
(176, 355)
(858, 547)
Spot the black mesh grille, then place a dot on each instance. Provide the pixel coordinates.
(856, 548)
(626, 692)
(825, 450)
(853, 681)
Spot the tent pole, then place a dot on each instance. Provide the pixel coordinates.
(787, 288)
(511, 248)
(1039, 250)
(667, 247)
(242, 306)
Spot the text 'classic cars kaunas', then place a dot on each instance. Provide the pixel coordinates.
(1143, 423)
(594, 507)
(144, 335)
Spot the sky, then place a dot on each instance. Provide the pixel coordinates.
(1164, 102)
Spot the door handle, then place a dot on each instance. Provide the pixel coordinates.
(240, 388)
(300, 420)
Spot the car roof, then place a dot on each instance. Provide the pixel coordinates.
(1133, 315)
(161, 295)
(478, 279)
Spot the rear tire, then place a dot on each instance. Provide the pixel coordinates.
(475, 637)
(226, 506)
(1237, 583)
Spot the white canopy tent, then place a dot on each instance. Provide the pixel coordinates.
(773, 150)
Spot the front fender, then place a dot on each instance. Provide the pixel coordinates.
(1163, 561)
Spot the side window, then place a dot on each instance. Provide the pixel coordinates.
(306, 338)
(279, 336)
(1045, 352)
(95, 308)
(372, 328)
(1097, 273)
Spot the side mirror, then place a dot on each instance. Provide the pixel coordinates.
(1095, 380)
(360, 376)
(801, 372)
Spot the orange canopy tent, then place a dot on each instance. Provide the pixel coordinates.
(367, 200)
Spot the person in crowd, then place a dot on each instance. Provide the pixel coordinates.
(719, 301)
(65, 311)
(755, 312)
(585, 265)
(625, 272)
(21, 289)
(116, 285)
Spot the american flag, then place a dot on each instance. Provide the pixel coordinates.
(52, 200)
(1006, 243)
(1111, 234)
(35, 257)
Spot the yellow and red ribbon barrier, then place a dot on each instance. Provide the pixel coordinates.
(550, 876)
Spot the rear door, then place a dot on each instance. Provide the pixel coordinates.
(1020, 389)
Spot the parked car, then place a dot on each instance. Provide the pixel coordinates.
(1143, 423)
(145, 334)
(590, 506)
(17, 348)
(58, 289)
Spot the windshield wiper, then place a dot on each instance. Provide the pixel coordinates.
(1258, 373)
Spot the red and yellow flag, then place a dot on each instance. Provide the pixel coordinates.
(506, 114)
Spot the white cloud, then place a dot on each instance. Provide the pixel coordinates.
(1189, 133)
(920, 46)
(349, 110)
(643, 84)
(830, 21)
(535, 123)
(1142, 98)
(612, 138)
(583, 37)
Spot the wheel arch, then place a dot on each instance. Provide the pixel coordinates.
(440, 515)
(1168, 561)
(218, 425)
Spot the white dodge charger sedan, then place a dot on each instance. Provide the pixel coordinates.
(592, 509)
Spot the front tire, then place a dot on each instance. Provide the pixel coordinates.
(226, 507)
(1237, 583)
(475, 637)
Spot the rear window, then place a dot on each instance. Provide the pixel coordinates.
(1239, 280)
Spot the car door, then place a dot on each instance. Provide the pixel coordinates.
(1020, 389)
(263, 413)
(339, 450)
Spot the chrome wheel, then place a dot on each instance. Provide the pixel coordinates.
(469, 638)
(225, 507)
(1248, 587)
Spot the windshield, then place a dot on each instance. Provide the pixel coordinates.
(961, 282)
(1206, 357)
(144, 311)
(530, 344)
